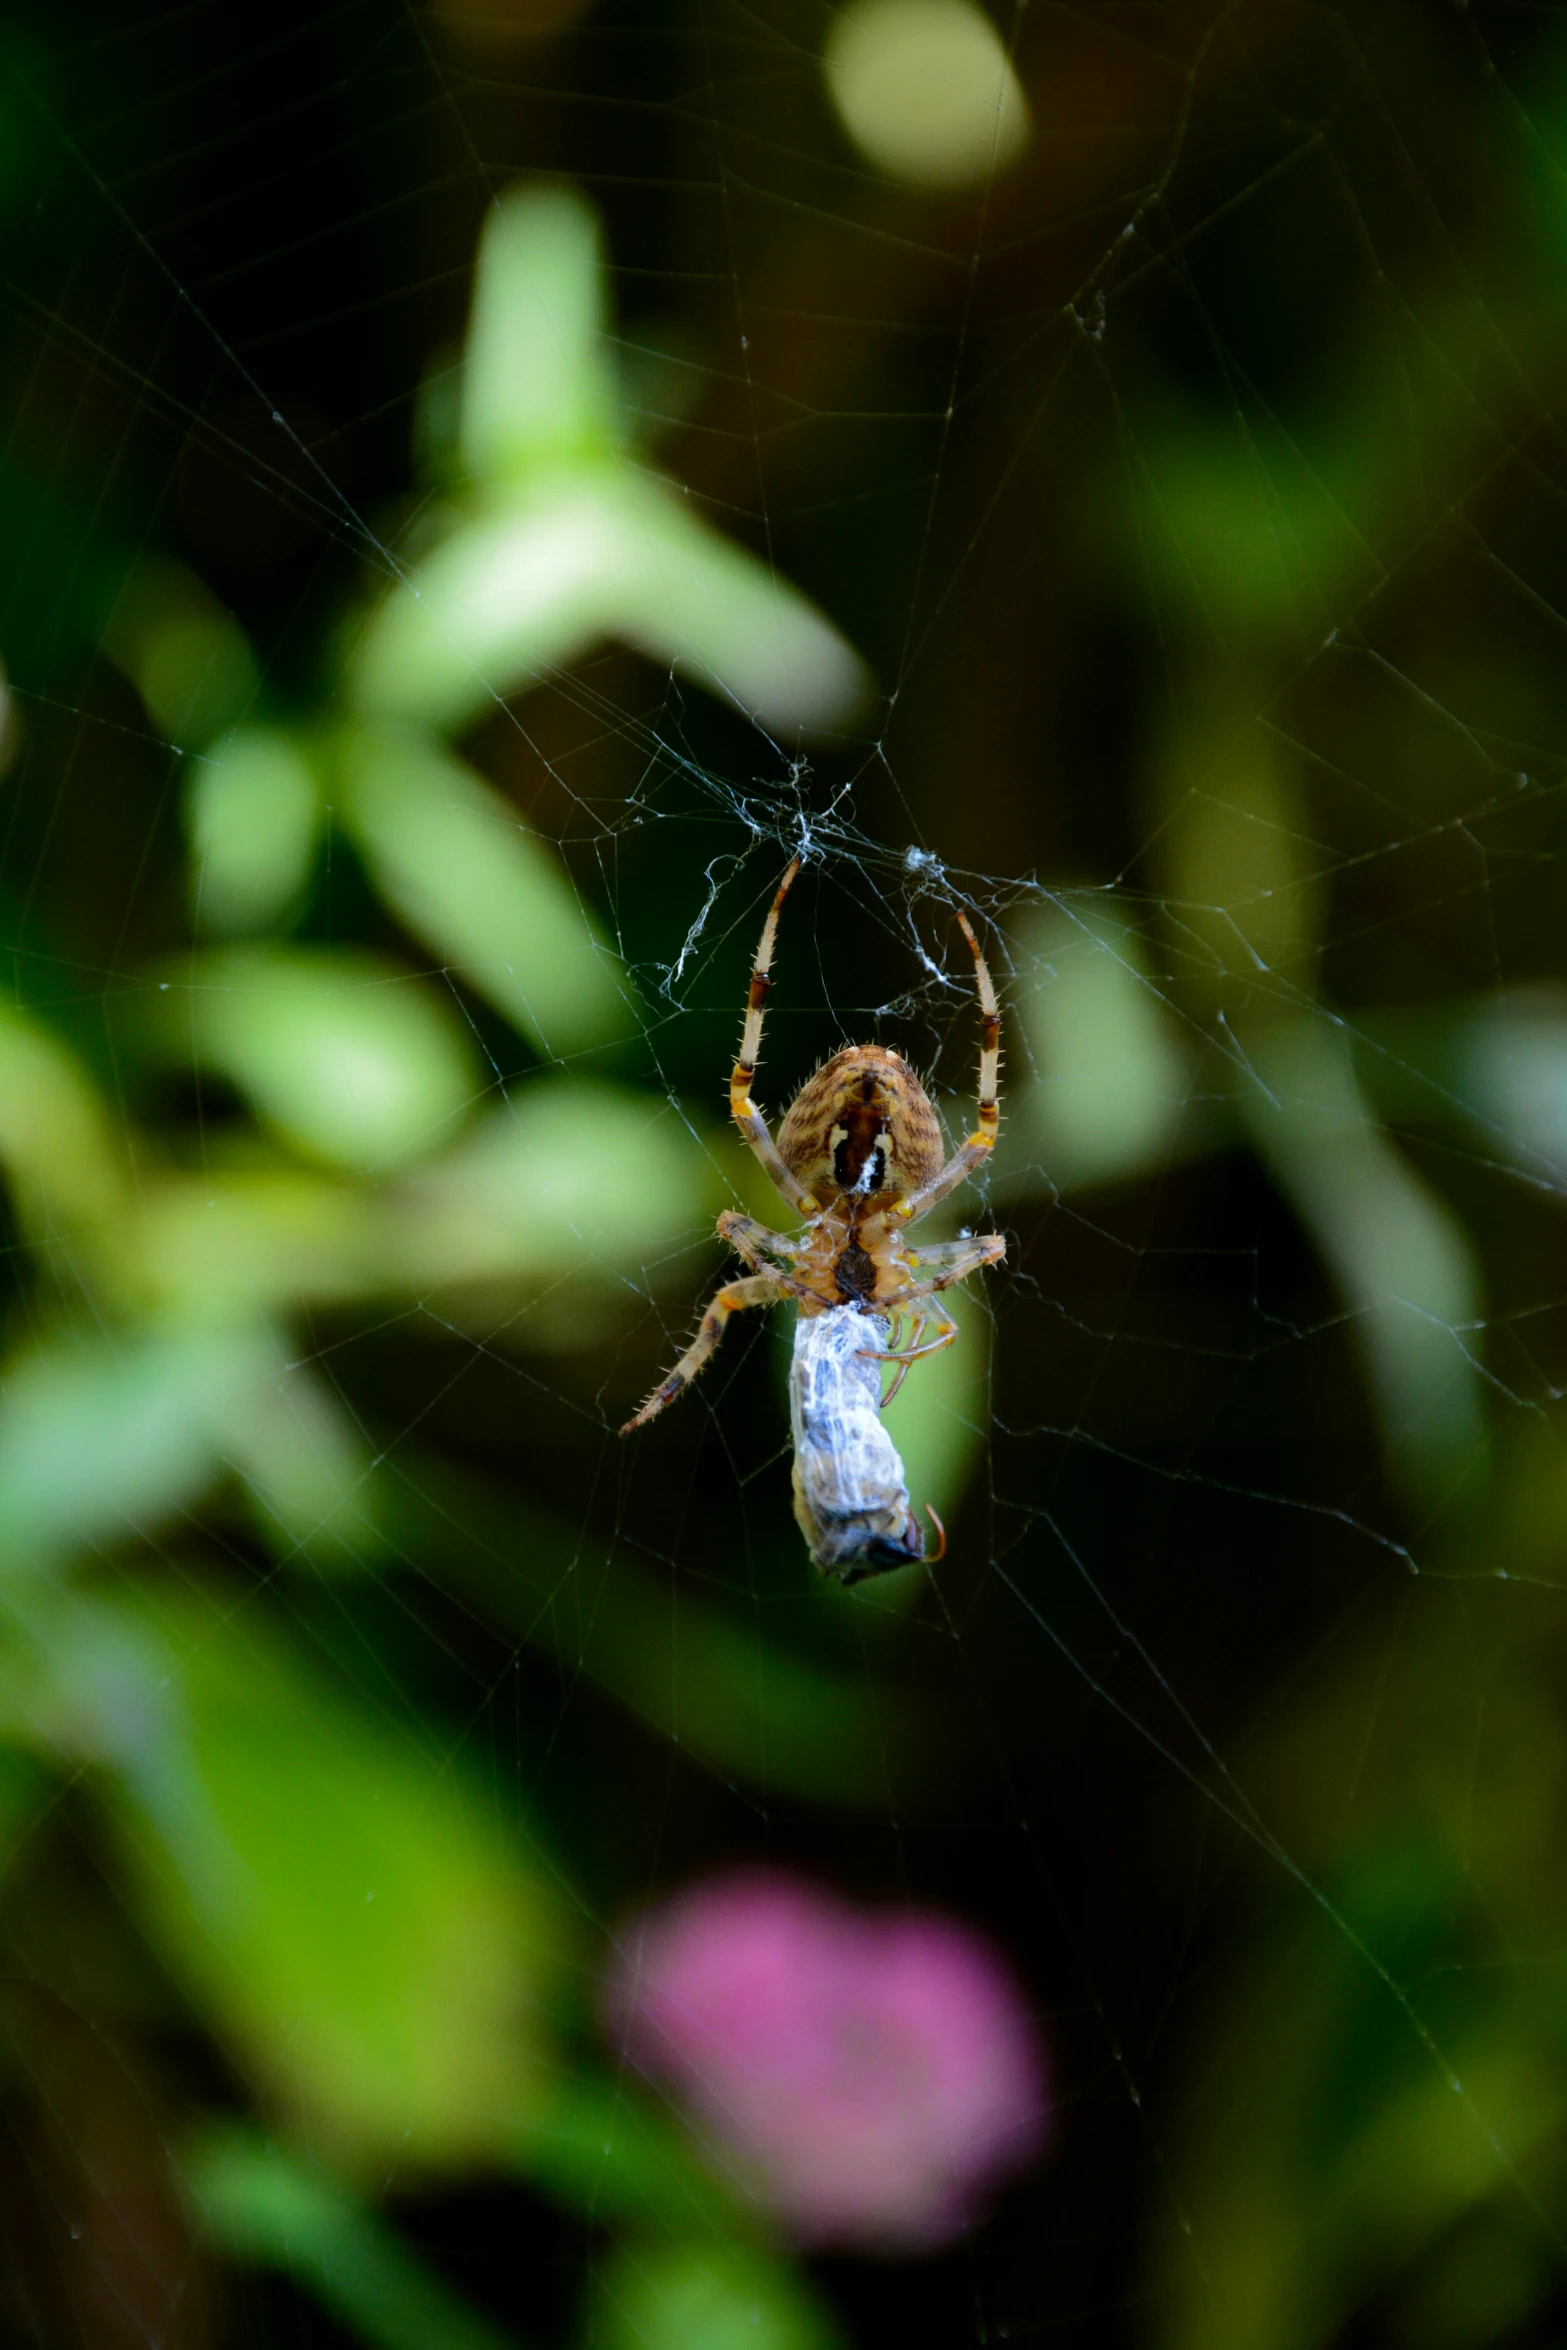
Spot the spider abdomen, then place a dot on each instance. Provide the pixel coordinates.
(862, 1128)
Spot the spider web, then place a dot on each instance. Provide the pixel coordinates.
(1190, 495)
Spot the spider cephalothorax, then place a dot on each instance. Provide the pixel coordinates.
(859, 1156)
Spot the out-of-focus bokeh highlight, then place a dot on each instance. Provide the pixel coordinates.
(926, 90)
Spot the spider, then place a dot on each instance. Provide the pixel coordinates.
(859, 1155)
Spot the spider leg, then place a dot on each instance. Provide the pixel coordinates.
(981, 1142)
(896, 1355)
(904, 1355)
(757, 1289)
(947, 1261)
(935, 1268)
(915, 1353)
(745, 1112)
(761, 1247)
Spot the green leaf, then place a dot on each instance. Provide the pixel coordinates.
(61, 1155)
(484, 893)
(1509, 1066)
(1113, 1082)
(102, 1439)
(1399, 1257)
(346, 1055)
(260, 1238)
(374, 1950)
(187, 657)
(254, 817)
(568, 1177)
(27, 1796)
(565, 540)
(266, 2207)
(512, 596)
(307, 1472)
(568, 1174)
(526, 589)
(695, 601)
(718, 2297)
(535, 382)
(602, 2146)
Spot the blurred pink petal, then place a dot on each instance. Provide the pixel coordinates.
(869, 2073)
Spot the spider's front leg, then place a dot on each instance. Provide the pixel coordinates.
(745, 1112)
(758, 1289)
(931, 1270)
(763, 1249)
(971, 1155)
(947, 1261)
(927, 1310)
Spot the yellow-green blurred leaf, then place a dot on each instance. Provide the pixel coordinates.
(568, 1177)
(371, 1946)
(719, 2297)
(1400, 1259)
(534, 380)
(1244, 918)
(1508, 1064)
(264, 1237)
(568, 1174)
(254, 815)
(1112, 1081)
(187, 657)
(529, 587)
(926, 90)
(101, 1438)
(565, 541)
(484, 894)
(695, 601)
(63, 1160)
(514, 594)
(346, 1055)
(605, 2146)
(266, 2207)
(306, 1471)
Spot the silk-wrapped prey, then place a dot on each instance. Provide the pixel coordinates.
(850, 1498)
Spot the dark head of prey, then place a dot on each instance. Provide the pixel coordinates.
(861, 1130)
(884, 1552)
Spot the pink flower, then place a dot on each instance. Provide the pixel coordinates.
(867, 2073)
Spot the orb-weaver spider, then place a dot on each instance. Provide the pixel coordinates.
(859, 1154)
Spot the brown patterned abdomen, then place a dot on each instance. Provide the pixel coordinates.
(862, 1127)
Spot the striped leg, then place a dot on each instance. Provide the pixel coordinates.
(763, 1249)
(746, 1115)
(981, 1142)
(757, 1289)
(946, 1261)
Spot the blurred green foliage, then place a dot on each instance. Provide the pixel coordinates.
(384, 1963)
